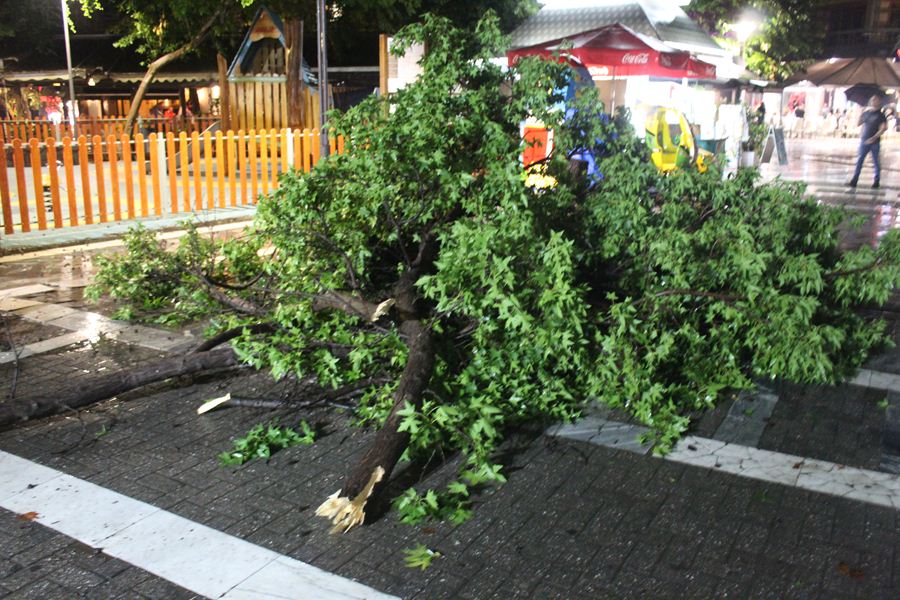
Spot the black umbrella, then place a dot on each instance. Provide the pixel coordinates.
(862, 93)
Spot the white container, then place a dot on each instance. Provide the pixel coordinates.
(748, 158)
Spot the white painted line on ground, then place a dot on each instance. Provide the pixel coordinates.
(48, 345)
(819, 476)
(25, 290)
(877, 379)
(193, 556)
(11, 304)
(88, 326)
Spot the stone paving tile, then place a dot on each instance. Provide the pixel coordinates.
(842, 425)
(23, 332)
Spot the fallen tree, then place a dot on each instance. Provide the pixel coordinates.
(420, 261)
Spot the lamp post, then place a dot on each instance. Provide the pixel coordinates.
(323, 76)
(72, 105)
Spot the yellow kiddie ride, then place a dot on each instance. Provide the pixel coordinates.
(672, 144)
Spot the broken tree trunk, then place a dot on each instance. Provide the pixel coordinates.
(346, 507)
(96, 389)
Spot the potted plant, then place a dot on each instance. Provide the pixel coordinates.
(751, 149)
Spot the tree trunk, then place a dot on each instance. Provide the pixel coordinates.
(113, 384)
(159, 63)
(346, 507)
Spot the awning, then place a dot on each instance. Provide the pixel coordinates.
(195, 77)
(619, 51)
(870, 70)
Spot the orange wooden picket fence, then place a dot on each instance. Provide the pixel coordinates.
(120, 177)
(44, 129)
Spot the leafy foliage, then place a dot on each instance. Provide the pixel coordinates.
(420, 557)
(164, 287)
(654, 294)
(452, 505)
(789, 35)
(156, 27)
(262, 441)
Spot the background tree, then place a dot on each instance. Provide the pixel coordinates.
(163, 31)
(788, 37)
(418, 269)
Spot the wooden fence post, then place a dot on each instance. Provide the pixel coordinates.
(208, 164)
(274, 157)
(68, 164)
(307, 140)
(232, 164)
(185, 174)
(173, 172)
(141, 164)
(264, 160)
(129, 175)
(220, 168)
(113, 153)
(54, 183)
(242, 163)
(19, 163)
(85, 179)
(37, 178)
(98, 166)
(156, 172)
(251, 156)
(5, 199)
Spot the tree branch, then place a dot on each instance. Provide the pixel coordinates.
(351, 305)
(347, 263)
(699, 294)
(239, 304)
(165, 59)
(230, 334)
(869, 267)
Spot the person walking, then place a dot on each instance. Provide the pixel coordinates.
(873, 124)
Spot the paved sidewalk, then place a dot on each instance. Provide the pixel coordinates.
(593, 517)
(576, 520)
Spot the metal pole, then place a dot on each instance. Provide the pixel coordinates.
(72, 108)
(323, 77)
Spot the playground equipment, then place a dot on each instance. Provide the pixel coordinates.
(671, 141)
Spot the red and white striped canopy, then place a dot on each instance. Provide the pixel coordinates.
(618, 51)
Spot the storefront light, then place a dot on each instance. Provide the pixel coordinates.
(215, 91)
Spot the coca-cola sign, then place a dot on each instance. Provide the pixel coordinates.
(636, 58)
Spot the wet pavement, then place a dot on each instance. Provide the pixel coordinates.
(826, 165)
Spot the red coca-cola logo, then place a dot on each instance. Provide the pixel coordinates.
(639, 58)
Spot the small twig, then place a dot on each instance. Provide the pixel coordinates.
(869, 267)
(83, 431)
(346, 259)
(390, 216)
(16, 353)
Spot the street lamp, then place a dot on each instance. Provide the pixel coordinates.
(73, 106)
(323, 76)
(743, 29)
